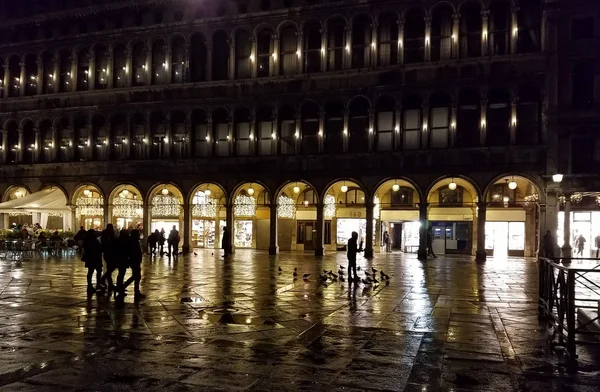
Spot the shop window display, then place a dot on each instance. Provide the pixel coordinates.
(243, 234)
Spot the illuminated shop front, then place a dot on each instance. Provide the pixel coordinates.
(206, 215)
(251, 214)
(585, 221)
(126, 207)
(166, 210)
(89, 211)
(18, 218)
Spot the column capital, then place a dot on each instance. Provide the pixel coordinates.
(482, 205)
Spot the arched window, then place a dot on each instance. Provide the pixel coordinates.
(31, 77)
(499, 26)
(243, 140)
(264, 125)
(139, 69)
(582, 85)
(47, 78)
(287, 129)
(441, 33)
(361, 42)
(288, 47)
(220, 119)
(177, 60)
(158, 134)
(528, 116)
(101, 65)
(336, 42)
(220, 56)
(334, 128)
(179, 143)
(414, 36)
(160, 68)
(64, 77)
(388, 40)
(198, 58)
(139, 143)
(243, 53)
(312, 47)
(28, 145)
(83, 70)
(120, 148)
(47, 146)
(529, 19)
(470, 29)
(202, 136)
(264, 49)
(99, 135)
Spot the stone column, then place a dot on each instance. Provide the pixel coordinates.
(208, 60)
(373, 52)
(427, 38)
(149, 67)
(455, 35)
(252, 149)
(21, 147)
(484, 33)
(168, 140)
(129, 68)
(146, 223)
(369, 231)
(230, 228)
(55, 145)
(110, 66)
(425, 124)
(168, 65)
(254, 59)
(187, 227)
(321, 129)
(91, 84)
(73, 77)
(299, 47)
(4, 146)
(298, 132)
(185, 69)
(230, 136)
(480, 254)
(231, 59)
(453, 116)
(400, 42)
(323, 49)
(56, 75)
(550, 215)
(6, 82)
(513, 118)
(398, 127)
(274, 131)
(348, 47)
(106, 216)
(514, 31)
(275, 56)
(483, 124)
(37, 145)
(424, 224)
(320, 230)
(273, 247)
(567, 251)
(371, 130)
(346, 132)
(40, 76)
(22, 81)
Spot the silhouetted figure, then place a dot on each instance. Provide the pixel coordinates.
(173, 242)
(549, 243)
(80, 237)
(92, 256)
(109, 244)
(597, 242)
(353, 249)
(135, 262)
(430, 243)
(387, 241)
(580, 244)
(225, 242)
(161, 241)
(122, 254)
(152, 241)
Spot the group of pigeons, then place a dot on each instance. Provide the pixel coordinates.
(330, 276)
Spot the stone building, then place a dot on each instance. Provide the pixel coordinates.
(295, 122)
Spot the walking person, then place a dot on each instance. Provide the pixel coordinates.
(387, 241)
(580, 245)
(122, 253)
(135, 262)
(549, 244)
(225, 242)
(92, 256)
(597, 243)
(353, 249)
(108, 241)
(430, 243)
(161, 241)
(79, 238)
(152, 241)
(173, 242)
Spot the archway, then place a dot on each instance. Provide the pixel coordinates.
(89, 211)
(251, 217)
(125, 206)
(452, 211)
(166, 209)
(511, 227)
(207, 203)
(396, 204)
(345, 211)
(297, 217)
(19, 218)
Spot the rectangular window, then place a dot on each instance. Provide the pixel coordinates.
(222, 142)
(412, 129)
(327, 233)
(582, 28)
(385, 129)
(243, 139)
(202, 145)
(287, 142)
(451, 197)
(402, 197)
(440, 119)
(265, 137)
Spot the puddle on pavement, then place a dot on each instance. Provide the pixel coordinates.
(233, 316)
(196, 300)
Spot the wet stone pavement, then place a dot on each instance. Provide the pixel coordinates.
(447, 324)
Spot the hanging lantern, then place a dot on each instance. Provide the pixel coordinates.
(395, 187)
(305, 203)
(452, 185)
(87, 193)
(512, 184)
(165, 191)
(296, 189)
(250, 191)
(344, 188)
(207, 192)
(125, 192)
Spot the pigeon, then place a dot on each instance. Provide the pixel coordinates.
(366, 282)
(324, 278)
(295, 272)
(367, 274)
(195, 254)
(375, 281)
(279, 269)
(340, 272)
(387, 277)
(305, 276)
(341, 267)
(342, 279)
(358, 268)
(374, 270)
(334, 276)
(324, 271)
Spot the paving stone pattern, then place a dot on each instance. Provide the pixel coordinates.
(447, 324)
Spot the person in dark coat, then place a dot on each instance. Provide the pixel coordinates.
(353, 249)
(152, 241)
(135, 262)
(122, 253)
(109, 243)
(549, 243)
(173, 242)
(225, 241)
(92, 256)
(80, 237)
(161, 241)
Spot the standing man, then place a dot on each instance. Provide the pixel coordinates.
(173, 242)
(597, 242)
(387, 242)
(225, 241)
(135, 260)
(353, 249)
(430, 243)
(549, 244)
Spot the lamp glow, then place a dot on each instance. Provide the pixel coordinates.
(512, 185)
(557, 178)
(344, 188)
(250, 191)
(165, 191)
(395, 187)
(452, 185)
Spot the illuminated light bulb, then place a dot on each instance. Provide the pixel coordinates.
(273, 136)
(320, 133)
(51, 76)
(452, 185)
(145, 140)
(453, 124)
(305, 203)
(250, 191)
(165, 191)
(505, 199)
(344, 188)
(87, 192)
(557, 177)
(86, 72)
(370, 130)
(68, 73)
(395, 187)
(274, 56)
(124, 68)
(252, 57)
(482, 123)
(207, 192)
(125, 192)
(296, 135)
(347, 48)
(143, 66)
(296, 189)
(104, 70)
(18, 194)
(397, 129)
(298, 53)
(176, 73)
(207, 138)
(512, 185)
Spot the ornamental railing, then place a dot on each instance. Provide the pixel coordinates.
(569, 298)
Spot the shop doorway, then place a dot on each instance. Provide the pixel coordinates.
(503, 239)
(451, 237)
(309, 235)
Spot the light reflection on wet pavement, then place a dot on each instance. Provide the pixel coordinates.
(447, 324)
